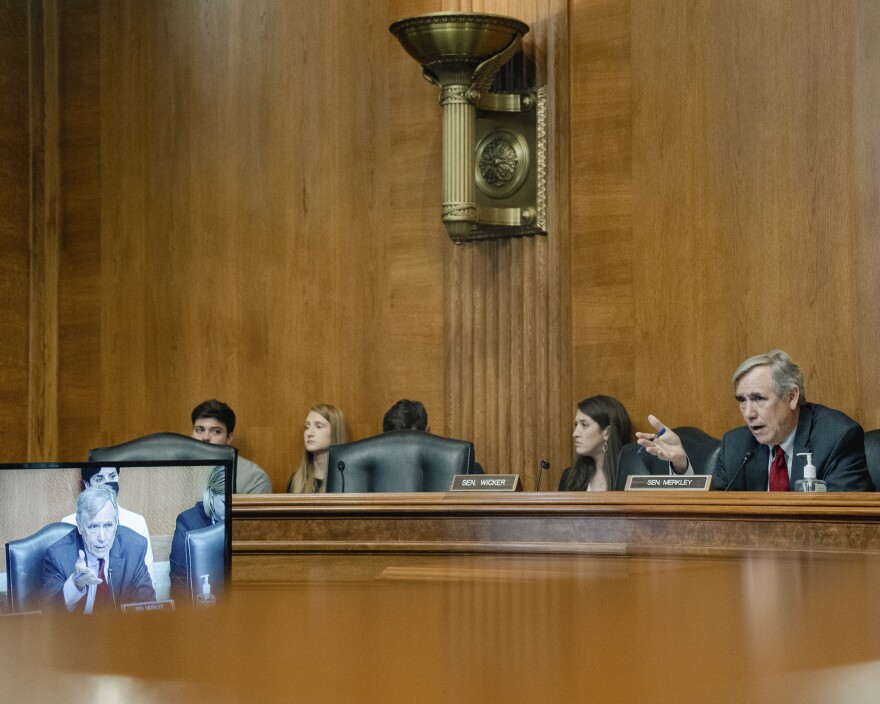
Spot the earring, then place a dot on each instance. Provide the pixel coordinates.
(605, 446)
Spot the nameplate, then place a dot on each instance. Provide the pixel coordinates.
(486, 482)
(166, 604)
(697, 482)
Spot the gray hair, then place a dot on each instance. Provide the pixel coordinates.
(91, 501)
(216, 485)
(785, 375)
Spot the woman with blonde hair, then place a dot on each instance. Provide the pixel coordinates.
(325, 426)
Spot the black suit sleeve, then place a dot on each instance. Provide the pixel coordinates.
(846, 468)
(142, 583)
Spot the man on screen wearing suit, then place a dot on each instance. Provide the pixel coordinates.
(99, 564)
(780, 424)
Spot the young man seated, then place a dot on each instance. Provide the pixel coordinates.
(214, 422)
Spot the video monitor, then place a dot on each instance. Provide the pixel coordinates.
(190, 566)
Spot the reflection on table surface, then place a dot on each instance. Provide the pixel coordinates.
(479, 629)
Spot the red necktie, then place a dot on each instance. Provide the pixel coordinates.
(778, 471)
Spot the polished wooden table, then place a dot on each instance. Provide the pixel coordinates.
(333, 537)
(439, 616)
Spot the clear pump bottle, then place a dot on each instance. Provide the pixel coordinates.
(809, 482)
(205, 598)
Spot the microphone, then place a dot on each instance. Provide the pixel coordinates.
(110, 582)
(545, 465)
(341, 467)
(748, 456)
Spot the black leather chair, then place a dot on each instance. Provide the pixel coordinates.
(403, 460)
(164, 447)
(872, 452)
(632, 462)
(24, 566)
(702, 449)
(205, 556)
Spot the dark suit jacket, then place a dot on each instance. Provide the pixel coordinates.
(191, 519)
(836, 441)
(129, 577)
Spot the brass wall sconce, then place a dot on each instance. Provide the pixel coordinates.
(494, 144)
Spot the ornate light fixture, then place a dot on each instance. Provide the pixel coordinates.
(494, 144)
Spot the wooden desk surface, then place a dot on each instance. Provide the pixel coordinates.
(580, 628)
(356, 536)
(514, 598)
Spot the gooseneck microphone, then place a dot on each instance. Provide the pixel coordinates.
(545, 465)
(748, 456)
(110, 581)
(341, 467)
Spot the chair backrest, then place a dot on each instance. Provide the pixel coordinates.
(24, 566)
(204, 556)
(872, 453)
(402, 460)
(633, 462)
(165, 446)
(702, 449)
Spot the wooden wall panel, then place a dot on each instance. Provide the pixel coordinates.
(79, 287)
(507, 355)
(14, 229)
(45, 230)
(250, 210)
(732, 203)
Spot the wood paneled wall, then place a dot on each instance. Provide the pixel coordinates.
(14, 236)
(249, 209)
(726, 201)
(507, 360)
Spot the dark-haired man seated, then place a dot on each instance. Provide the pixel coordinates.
(214, 422)
(411, 415)
(780, 425)
(99, 564)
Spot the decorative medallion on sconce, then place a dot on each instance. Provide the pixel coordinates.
(494, 144)
(502, 163)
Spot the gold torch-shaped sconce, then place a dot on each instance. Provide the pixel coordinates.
(494, 144)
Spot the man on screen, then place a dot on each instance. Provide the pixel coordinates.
(99, 564)
(763, 455)
(109, 476)
(214, 422)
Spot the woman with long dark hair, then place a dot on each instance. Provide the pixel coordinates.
(601, 427)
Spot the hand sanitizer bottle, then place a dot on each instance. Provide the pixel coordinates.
(809, 482)
(205, 598)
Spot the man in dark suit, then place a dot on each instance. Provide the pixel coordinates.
(99, 564)
(780, 425)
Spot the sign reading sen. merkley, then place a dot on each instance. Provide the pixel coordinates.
(486, 482)
(649, 482)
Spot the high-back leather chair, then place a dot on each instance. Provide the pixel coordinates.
(24, 566)
(205, 556)
(403, 460)
(702, 449)
(633, 462)
(164, 447)
(872, 453)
